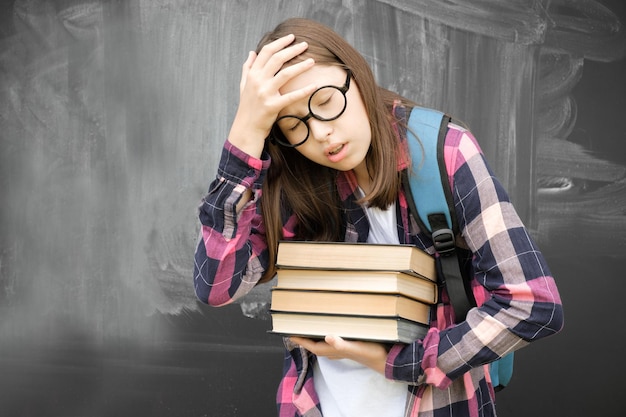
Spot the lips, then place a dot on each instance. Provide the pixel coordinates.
(335, 150)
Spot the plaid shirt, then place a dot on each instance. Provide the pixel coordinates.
(446, 371)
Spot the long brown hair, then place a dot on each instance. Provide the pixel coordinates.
(294, 184)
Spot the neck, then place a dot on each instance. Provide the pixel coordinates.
(363, 178)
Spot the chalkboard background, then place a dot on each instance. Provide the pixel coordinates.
(112, 116)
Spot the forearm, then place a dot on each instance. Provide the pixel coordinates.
(508, 321)
(231, 255)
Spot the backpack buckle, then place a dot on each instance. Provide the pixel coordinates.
(443, 240)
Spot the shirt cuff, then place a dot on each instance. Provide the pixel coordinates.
(239, 167)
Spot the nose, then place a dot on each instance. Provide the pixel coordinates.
(320, 130)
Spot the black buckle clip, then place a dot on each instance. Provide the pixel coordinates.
(443, 239)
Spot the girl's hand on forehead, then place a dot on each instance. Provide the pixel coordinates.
(260, 100)
(263, 74)
(275, 54)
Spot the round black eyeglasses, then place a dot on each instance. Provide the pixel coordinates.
(325, 104)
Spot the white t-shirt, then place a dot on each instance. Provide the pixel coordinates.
(347, 388)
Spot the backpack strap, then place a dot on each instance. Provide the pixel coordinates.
(435, 214)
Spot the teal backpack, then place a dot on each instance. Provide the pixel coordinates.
(436, 216)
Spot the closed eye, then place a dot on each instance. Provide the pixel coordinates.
(294, 126)
(325, 99)
(290, 124)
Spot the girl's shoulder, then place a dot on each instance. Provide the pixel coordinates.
(458, 134)
(460, 146)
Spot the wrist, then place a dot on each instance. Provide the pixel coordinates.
(247, 137)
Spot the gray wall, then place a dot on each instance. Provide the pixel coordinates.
(112, 116)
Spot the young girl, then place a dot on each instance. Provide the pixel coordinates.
(315, 152)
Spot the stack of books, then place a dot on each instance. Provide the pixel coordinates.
(354, 290)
